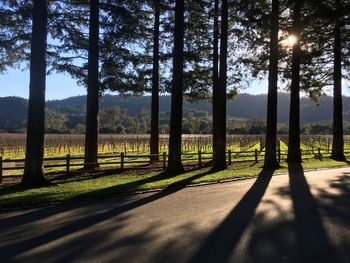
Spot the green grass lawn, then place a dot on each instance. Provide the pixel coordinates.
(106, 183)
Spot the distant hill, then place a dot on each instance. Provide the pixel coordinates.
(243, 106)
(13, 110)
(13, 113)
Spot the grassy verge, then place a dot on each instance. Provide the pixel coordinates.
(83, 186)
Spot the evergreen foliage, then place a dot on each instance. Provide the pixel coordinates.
(197, 50)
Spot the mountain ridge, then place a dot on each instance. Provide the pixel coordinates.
(13, 110)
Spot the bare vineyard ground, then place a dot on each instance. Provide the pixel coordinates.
(135, 148)
(13, 145)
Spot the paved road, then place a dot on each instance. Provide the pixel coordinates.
(296, 217)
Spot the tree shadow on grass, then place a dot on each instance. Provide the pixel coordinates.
(346, 161)
(82, 175)
(39, 213)
(134, 185)
(220, 244)
(9, 251)
(117, 189)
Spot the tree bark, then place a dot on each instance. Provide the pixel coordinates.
(154, 143)
(294, 154)
(92, 103)
(33, 171)
(338, 140)
(174, 160)
(220, 146)
(271, 122)
(215, 71)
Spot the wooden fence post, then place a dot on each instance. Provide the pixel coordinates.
(0, 169)
(121, 160)
(200, 158)
(327, 145)
(164, 160)
(125, 148)
(256, 155)
(279, 144)
(319, 153)
(67, 164)
(229, 157)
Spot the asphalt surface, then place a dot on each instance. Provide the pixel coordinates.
(296, 217)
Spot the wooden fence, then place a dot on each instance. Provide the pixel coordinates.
(122, 161)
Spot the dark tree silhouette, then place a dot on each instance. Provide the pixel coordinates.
(215, 69)
(92, 103)
(174, 162)
(338, 140)
(154, 143)
(294, 154)
(33, 171)
(271, 122)
(220, 115)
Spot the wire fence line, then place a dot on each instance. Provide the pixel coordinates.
(122, 161)
(13, 145)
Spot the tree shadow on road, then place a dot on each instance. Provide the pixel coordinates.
(335, 204)
(300, 238)
(219, 245)
(296, 236)
(312, 240)
(9, 251)
(130, 186)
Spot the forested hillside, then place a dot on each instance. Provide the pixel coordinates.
(243, 106)
(69, 114)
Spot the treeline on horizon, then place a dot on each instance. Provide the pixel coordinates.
(200, 49)
(131, 115)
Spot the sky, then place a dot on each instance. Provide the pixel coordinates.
(15, 82)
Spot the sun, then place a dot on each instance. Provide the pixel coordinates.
(291, 40)
(287, 40)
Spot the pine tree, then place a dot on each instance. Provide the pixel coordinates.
(338, 140)
(15, 34)
(215, 71)
(220, 145)
(154, 141)
(294, 153)
(92, 108)
(174, 160)
(270, 161)
(33, 172)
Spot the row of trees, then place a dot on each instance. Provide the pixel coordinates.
(116, 120)
(214, 47)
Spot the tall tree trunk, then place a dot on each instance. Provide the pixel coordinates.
(271, 122)
(338, 140)
(174, 162)
(33, 171)
(220, 146)
(215, 70)
(154, 144)
(294, 154)
(92, 108)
